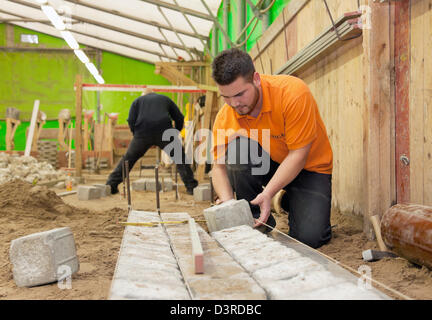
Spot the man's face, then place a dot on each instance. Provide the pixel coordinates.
(242, 95)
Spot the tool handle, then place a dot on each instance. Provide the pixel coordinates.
(377, 228)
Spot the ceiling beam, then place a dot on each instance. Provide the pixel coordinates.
(95, 6)
(110, 27)
(218, 25)
(174, 7)
(48, 23)
(178, 37)
(203, 42)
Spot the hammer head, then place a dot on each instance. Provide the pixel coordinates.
(374, 255)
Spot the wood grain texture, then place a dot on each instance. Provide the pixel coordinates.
(197, 250)
(402, 87)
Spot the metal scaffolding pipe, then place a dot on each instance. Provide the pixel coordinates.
(241, 16)
(225, 22)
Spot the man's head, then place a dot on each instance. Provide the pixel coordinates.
(238, 83)
(146, 91)
(231, 64)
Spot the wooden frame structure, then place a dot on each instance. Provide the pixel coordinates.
(79, 87)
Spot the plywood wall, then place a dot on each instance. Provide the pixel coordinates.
(336, 83)
(421, 102)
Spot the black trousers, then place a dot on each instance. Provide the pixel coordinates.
(139, 146)
(307, 199)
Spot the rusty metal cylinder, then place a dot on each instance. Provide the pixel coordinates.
(407, 230)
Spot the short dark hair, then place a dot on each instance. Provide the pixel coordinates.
(230, 64)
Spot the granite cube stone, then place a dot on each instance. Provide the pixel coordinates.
(139, 185)
(202, 193)
(43, 257)
(228, 214)
(88, 193)
(105, 189)
(151, 185)
(168, 184)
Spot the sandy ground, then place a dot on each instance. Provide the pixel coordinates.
(25, 210)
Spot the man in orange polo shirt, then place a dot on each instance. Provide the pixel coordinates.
(270, 136)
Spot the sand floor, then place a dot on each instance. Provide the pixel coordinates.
(25, 210)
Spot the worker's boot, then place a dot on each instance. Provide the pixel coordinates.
(114, 188)
(191, 186)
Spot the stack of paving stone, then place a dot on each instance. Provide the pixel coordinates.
(285, 273)
(27, 169)
(91, 163)
(47, 152)
(149, 184)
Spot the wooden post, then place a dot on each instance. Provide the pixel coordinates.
(78, 126)
(377, 115)
(11, 126)
(38, 129)
(402, 90)
(211, 101)
(70, 147)
(32, 128)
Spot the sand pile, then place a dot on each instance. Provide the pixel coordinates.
(27, 168)
(18, 197)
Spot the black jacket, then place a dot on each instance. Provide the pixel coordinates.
(152, 114)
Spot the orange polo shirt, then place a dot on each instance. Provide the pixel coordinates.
(291, 117)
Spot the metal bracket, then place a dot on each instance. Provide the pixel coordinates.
(404, 159)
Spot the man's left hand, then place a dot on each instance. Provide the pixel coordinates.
(264, 202)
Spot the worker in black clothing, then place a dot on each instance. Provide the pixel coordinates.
(149, 117)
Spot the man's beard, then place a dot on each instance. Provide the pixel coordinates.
(252, 106)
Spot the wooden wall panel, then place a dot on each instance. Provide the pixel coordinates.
(421, 103)
(336, 83)
(427, 156)
(359, 125)
(417, 101)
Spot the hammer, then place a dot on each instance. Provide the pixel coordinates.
(374, 255)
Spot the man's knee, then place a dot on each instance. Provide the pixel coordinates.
(314, 237)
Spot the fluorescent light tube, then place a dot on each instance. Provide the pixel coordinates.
(91, 67)
(54, 17)
(99, 79)
(82, 56)
(41, 1)
(70, 40)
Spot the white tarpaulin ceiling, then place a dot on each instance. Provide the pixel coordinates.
(150, 30)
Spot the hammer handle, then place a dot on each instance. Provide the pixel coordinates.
(377, 228)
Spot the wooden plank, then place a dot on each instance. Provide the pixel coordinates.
(416, 114)
(173, 75)
(318, 49)
(291, 38)
(376, 147)
(32, 128)
(78, 126)
(66, 193)
(402, 84)
(11, 127)
(197, 250)
(427, 155)
(211, 101)
(288, 13)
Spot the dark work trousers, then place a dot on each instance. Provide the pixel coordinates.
(139, 146)
(307, 199)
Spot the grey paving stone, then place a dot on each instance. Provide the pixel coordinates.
(228, 214)
(88, 193)
(42, 257)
